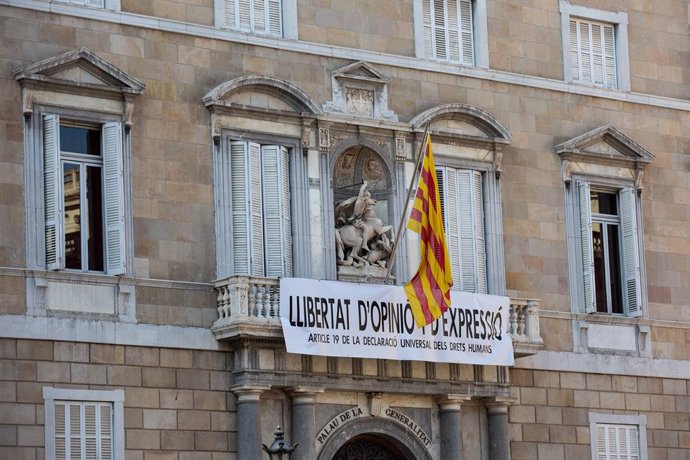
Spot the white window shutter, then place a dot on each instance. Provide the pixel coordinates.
(586, 244)
(74, 425)
(52, 187)
(275, 18)
(574, 52)
(231, 14)
(439, 29)
(466, 230)
(105, 428)
(113, 197)
(597, 56)
(60, 431)
(448, 189)
(466, 32)
(287, 216)
(480, 240)
(631, 256)
(609, 53)
(428, 29)
(244, 15)
(453, 30)
(256, 223)
(239, 188)
(259, 16)
(273, 209)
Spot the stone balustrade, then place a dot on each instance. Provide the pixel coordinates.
(250, 302)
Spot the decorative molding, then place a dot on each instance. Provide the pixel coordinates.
(324, 139)
(338, 52)
(108, 332)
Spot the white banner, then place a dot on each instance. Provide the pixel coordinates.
(332, 318)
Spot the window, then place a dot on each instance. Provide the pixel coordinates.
(463, 214)
(592, 54)
(83, 190)
(84, 424)
(610, 255)
(275, 18)
(260, 209)
(452, 30)
(595, 47)
(618, 437)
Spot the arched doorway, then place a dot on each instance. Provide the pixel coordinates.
(369, 447)
(374, 438)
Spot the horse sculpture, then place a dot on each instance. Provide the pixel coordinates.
(357, 225)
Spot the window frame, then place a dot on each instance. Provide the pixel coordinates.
(115, 397)
(579, 294)
(479, 282)
(222, 188)
(288, 19)
(480, 34)
(37, 197)
(619, 21)
(598, 419)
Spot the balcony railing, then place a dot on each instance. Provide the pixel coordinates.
(250, 305)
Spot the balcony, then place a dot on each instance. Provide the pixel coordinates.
(249, 307)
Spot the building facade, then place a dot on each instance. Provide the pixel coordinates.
(165, 163)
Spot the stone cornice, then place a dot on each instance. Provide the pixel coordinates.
(350, 54)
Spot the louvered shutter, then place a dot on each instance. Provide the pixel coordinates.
(480, 240)
(466, 230)
(609, 54)
(275, 21)
(52, 187)
(466, 32)
(259, 16)
(631, 256)
(586, 245)
(428, 32)
(597, 54)
(273, 209)
(244, 15)
(60, 432)
(256, 228)
(448, 189)
(617, 442)
(585, 51)
(231, 14)
(574, 52)
(439, 29)
(453, 28)
(113, 197)
(287, 216)
(239, 192)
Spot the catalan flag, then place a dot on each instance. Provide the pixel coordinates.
(429, 289)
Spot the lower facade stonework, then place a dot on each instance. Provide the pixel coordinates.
(192, 404)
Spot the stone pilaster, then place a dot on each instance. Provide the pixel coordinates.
(304, 421)
(499, 440)
(249, 420)
(450, 408)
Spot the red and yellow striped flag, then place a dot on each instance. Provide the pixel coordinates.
(429, 289)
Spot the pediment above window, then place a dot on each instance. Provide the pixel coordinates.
(84, 76)
(463, 122)
(360, 90)
(78, 71)
(604, 151)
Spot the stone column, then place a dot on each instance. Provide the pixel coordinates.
(499, 440)
(450, 408)
(304, 421)
(249, 421)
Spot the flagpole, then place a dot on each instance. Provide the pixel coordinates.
(407, 203)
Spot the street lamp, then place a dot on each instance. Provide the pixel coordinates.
(279, 446)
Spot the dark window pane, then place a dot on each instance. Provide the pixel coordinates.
(72, 207)
(599, 267)
(604, 203)
(80, 140)
(614, 269)
(95, 208)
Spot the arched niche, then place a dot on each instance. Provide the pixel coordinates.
(376, 428)
(356, 164)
